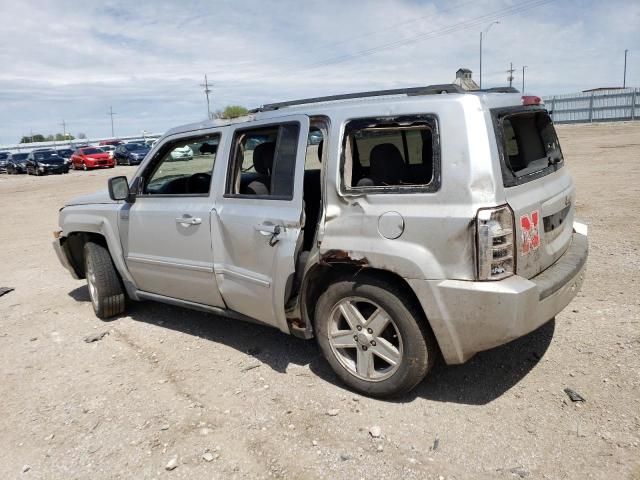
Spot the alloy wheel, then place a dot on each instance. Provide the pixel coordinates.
(365, 339)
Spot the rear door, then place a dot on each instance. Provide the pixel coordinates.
(538, 188)
(257, 221)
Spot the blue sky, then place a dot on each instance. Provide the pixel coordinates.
(72, 60)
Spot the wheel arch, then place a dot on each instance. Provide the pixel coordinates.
(74, 248)
(320, 276)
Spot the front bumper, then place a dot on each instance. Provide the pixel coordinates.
(93, 165)
(50, 169)
(468, 317)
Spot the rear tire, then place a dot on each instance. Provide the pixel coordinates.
(385, 348)
(105, 287)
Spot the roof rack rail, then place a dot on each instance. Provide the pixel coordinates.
(500, 90)
(428, 90)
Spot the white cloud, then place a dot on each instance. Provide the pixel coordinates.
(73, 59)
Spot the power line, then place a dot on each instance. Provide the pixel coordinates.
(464, 25)
(452, 28)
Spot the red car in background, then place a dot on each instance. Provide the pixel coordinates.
(115, 142)
(91, 157)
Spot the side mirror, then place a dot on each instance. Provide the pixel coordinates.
(119, 188)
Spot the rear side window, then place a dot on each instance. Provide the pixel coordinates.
(529, 145)
(263, 162)
(391, 154)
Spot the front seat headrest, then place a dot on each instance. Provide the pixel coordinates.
(263, 157)
(387, 165)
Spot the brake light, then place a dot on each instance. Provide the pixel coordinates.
(494, 237)
(531, 100)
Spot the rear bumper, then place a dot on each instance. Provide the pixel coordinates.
(468, 317)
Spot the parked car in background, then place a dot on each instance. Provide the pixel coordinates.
(65, 153)
(91, 157)
(4, 157)
(115, 142)
(108, 149)
(182, 153)
(41, 162)
(17, 163)
(130, 153)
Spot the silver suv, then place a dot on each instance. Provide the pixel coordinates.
(394, 226)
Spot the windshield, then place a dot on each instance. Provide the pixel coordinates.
(4, 155)
(65, 152)
(91, 151)
(135, 146)
(19, 156)
(48, 156)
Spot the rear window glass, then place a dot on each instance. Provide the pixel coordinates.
(393, 154)
(530, 144)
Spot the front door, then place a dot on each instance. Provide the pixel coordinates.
(257, 221)
(167, 231)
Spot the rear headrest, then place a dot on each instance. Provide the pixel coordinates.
(387, 165)
(263, 157)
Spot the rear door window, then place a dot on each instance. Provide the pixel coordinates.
(529, 145)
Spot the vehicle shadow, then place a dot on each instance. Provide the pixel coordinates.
(481, 380)
(489, 374)
(268, 345)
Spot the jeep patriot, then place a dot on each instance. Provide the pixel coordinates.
(393, 226)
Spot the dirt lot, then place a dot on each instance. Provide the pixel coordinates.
(168, 382)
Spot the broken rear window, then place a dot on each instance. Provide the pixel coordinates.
(391, 154)
(529, 144)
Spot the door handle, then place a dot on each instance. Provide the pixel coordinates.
(267, 229)
(188, 221)
(270, 230)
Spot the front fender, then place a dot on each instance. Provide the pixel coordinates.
(101, 219)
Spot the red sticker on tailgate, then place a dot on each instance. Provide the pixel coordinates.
(530, 232)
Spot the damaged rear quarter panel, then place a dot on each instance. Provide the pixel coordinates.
(438, 241)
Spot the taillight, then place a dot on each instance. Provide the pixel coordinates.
(531, 100)
(494, 237)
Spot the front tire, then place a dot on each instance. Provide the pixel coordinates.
(373, 336)
(105, 287)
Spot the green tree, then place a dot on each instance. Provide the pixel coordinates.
(33, 138)
(231, 111)
(60, 137)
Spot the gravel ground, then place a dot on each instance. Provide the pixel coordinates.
(234, 400)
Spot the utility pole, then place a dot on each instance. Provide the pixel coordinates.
(523, 67)
(510, 72)
(64, 130)
(207, 91)
(624, 79)
(111, 114)
(486, 30)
